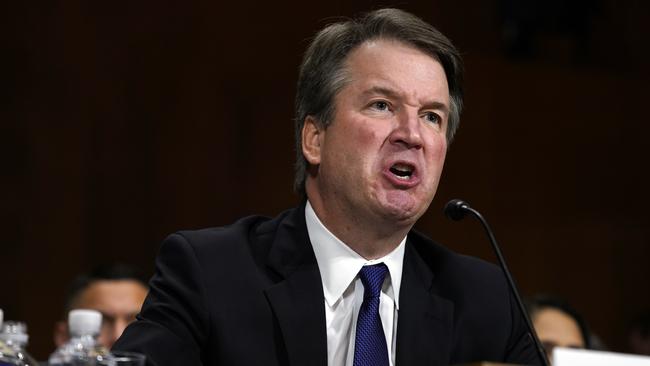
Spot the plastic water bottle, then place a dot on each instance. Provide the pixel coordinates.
(7, 355)
(3, 347)
(82, 349)
(13, 340)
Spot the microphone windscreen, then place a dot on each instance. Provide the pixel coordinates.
(455, 209)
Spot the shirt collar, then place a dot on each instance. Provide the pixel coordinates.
(339, 264)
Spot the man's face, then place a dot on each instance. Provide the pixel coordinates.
(557, 329)
(382, 155)
(119, 302)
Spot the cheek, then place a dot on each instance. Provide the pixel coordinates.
(438, 150)
(366, 135)
(361, 143)
(104, 335)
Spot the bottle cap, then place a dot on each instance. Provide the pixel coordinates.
(15, 332)
(84, 322)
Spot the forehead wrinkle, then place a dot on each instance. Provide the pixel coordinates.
(382, 90)
(380, 81)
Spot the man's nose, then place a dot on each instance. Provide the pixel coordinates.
(408, 130)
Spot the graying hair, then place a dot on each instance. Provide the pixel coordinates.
(323, 73)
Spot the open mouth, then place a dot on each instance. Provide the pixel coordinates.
(402, 171)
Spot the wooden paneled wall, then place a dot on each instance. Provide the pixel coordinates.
(122, 122)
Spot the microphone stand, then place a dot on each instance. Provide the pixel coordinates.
(511, 283)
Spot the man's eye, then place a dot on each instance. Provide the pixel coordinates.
(380, 105)
(432, 117)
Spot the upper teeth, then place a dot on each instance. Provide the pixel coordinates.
(402, 168)
(402, 171)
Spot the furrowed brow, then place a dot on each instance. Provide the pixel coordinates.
(436, 106)
(380, 90)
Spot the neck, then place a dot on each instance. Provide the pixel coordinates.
(368, 238)
(368, 246)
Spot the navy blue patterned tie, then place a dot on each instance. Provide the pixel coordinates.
(370, 343)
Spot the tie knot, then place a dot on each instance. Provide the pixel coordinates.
(372, 278)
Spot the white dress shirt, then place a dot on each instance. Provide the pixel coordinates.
(339, 270)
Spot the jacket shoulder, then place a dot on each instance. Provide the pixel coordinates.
(253, 232)
(451, 266)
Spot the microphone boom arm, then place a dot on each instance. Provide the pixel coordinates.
(511, 283)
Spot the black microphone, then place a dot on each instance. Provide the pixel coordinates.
(456, 210)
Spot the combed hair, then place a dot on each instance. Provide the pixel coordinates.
(323, 74)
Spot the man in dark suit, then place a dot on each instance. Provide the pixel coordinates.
(343, 279)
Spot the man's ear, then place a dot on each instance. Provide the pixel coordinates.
(312, 135)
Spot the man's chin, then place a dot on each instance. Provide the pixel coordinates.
(402, 210)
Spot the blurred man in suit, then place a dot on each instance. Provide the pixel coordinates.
(116, 290)
(343, 279)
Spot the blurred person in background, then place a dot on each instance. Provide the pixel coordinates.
(638, 336)
(557, 324)
(116, 290)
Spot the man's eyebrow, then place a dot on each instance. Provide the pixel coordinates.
(381, 90)
(437, 105)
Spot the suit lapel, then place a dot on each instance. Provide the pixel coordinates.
(297, 299)
(425, 320)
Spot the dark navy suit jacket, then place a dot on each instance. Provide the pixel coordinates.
(251, 294)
